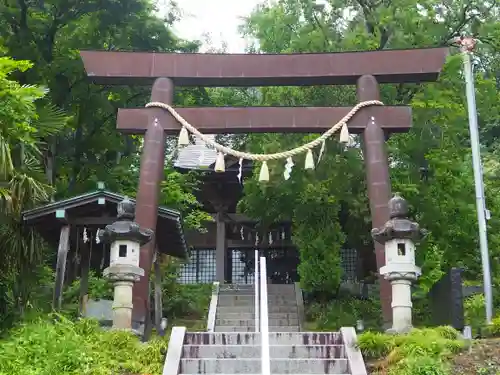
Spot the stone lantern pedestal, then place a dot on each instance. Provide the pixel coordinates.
(123, 278)
(399, 235)
(126, 239)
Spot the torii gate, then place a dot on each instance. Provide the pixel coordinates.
(167, 70)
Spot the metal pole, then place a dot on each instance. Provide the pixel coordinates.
(264, 319)
(256, 286)
(467, 45)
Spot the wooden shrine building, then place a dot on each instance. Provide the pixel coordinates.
(225, 252)
(70, 225)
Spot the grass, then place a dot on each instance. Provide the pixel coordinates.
(421, 352)
(56, 345)
(425, 351)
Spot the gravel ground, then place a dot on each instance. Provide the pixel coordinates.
(482, 358)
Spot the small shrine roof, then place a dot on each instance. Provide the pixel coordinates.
(98, 209)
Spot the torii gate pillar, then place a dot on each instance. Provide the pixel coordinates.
(377, 179)
(148, 192)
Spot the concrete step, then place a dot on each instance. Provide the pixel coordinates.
(270, 287)
(270, 296)
(253, 366)
(251, 322)
(233, 329)
(284, 328)
(287, 292)
(241, 301)
(253, 338)
(242, 329)
(222, 314)
(249, 309)
(254, 351)
(246, 297)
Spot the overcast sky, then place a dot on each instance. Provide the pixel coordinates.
(219, 18)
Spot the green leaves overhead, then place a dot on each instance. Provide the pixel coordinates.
(430, 165)
(57, 130)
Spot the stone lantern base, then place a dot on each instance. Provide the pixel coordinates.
(123, 278)
(401, 299)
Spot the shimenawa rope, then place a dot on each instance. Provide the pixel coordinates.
(265, 157)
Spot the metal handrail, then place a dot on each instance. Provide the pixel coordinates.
(264, 319)
(212, 310)
(256, 285)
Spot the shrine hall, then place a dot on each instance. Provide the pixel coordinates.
(225, 253)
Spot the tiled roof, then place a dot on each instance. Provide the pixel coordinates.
(196, 156)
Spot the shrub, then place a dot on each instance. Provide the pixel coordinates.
(375, 345)
(420, 352)
(491, 330)
(474, 312)
(98, 288)
(183, 301)
(420, 366)
(55, 345)
(344, 312)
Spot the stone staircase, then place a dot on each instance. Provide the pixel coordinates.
(236, 309)
(232, 353)
(235, 347)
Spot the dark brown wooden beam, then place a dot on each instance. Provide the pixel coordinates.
(62, 254)
(84, 275)
(240, 219)
(220, 248)
(91, 221)
(158, 297)
(234, 120)
(191, 69)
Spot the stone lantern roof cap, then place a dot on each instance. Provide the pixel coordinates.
(399, 226)
(398, 207)
(125, 228)
(126, 209)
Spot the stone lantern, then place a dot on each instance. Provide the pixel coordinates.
(126, 239)
(399, 235)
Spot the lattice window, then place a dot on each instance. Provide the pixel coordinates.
(281, 265)
(349, 264)
(201, 267)
(242, 266)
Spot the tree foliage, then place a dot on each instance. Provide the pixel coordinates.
(430, 165)
(58, 133)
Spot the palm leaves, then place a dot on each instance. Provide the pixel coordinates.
(26, 122)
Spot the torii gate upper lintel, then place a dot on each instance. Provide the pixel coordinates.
(166, 70)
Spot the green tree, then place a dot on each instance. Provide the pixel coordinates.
(25, 122)
(431, 164)
(71, 158)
